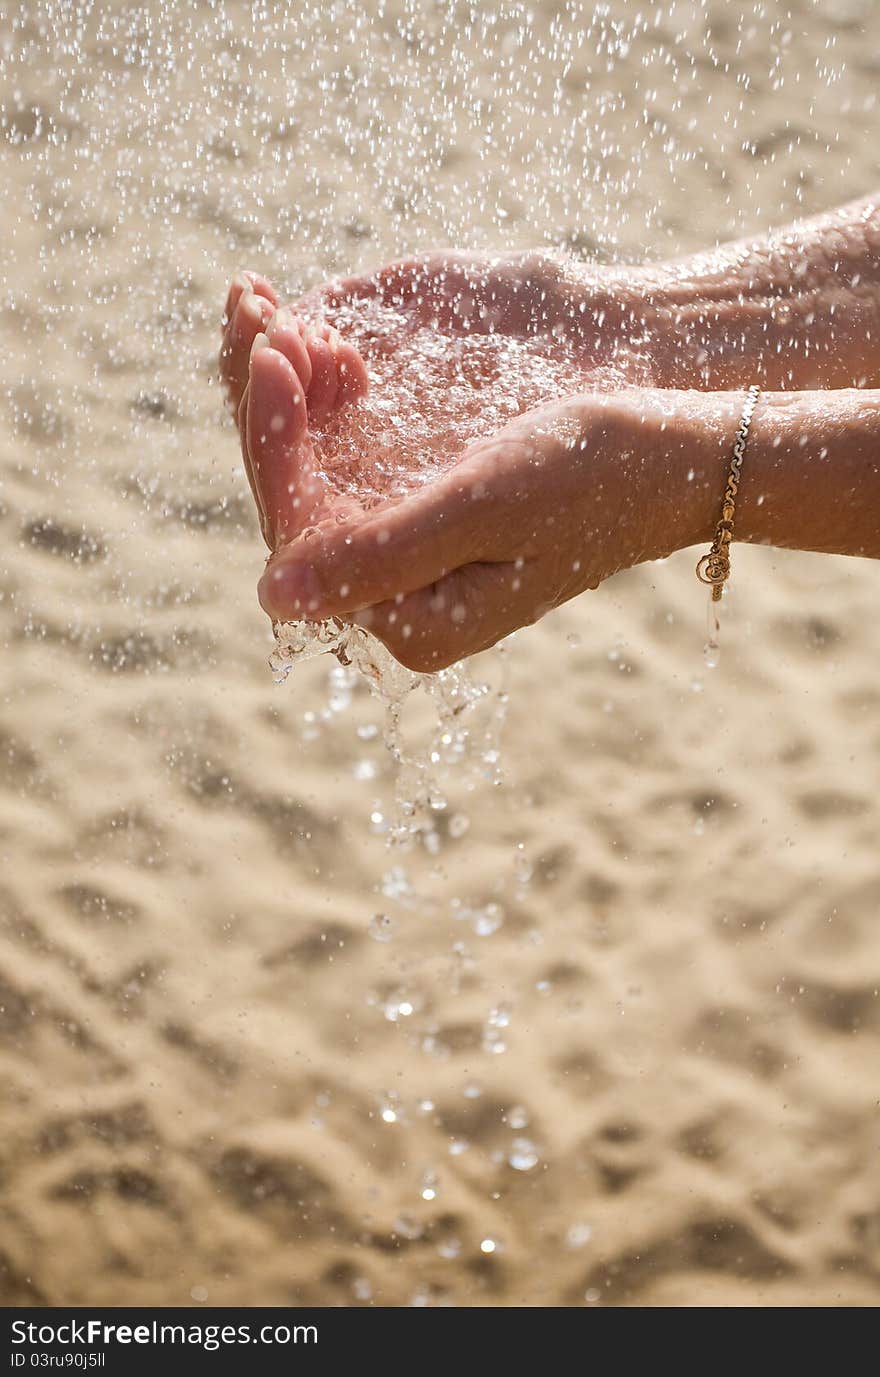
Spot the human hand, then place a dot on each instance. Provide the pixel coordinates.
(556, 501)
(598, 312)
(517, 510)
(610, 335)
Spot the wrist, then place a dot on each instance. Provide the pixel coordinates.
(680, 443)
(809, 479)
(655, 464)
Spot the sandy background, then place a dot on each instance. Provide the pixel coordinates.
(655, 1081)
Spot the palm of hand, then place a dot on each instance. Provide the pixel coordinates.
(438, 456)
(401, 374)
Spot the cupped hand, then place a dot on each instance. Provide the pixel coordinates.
(554, 503)
(598, 312)
(509, 519)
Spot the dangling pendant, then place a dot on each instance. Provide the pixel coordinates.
(714, 569)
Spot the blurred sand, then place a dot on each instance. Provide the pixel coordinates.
(198, 1037)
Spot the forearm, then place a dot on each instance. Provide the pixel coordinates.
(810, 477)
(799, 308)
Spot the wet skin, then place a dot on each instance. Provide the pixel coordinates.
(564, 495)
(488, 546)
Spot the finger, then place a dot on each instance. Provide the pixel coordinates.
(469, 515)
(281, 452)
(352, 375)
(262, 286)
(325, 384)
(379, 555)
(343, 383)
(462, 614)
(284, 333)
(351, 371)
(238, 284)
(251, 315)
(243, 281)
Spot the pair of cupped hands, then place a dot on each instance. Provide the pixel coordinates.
(551, 504)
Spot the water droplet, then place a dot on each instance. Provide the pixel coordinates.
(397, 1008)
(523, 1155)
(578, 1235)
(408, 1227)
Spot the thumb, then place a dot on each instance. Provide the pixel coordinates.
(460, 615)
(338, 567)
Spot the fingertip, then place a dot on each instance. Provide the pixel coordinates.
(248, 308)
(284, 334)
(324, 384)
(289, 591)
(238, 285)
(260, 285)
(267, 361)
(352, 374)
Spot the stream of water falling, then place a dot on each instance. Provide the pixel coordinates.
(433, 391)
(464, 732)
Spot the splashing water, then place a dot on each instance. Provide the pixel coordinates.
(468, 717)
(432, 393)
